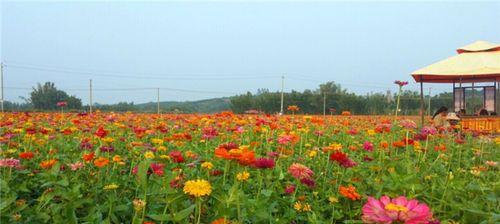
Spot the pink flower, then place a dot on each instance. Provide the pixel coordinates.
(428, 131)
(300, 171)
(368, 146)
(76, 166)
(408, 124)
(400, 209)
(10, 162)
(285, 139)
(62, 103)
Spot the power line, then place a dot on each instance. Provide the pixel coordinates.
(138, 75)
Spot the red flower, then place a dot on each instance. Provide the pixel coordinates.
(342, 159)
(308, 182)
(176, 156)
(101, 133)
(26, 155)
(264, 163)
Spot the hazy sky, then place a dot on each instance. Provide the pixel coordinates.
(228, 47)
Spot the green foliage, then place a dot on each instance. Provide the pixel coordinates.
(46, 96)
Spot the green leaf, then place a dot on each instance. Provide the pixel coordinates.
(183, 214)
(142, 174)
(6, 202)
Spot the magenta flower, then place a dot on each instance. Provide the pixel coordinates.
(400, 209)
(400, 83)
(368, 146)
(290, 189)
(429, 130)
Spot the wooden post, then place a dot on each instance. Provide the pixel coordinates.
(422, 100)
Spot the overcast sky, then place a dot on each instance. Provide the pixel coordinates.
(215, 49)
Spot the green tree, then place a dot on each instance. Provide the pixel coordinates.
(46, 96)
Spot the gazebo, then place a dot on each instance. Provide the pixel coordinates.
(475, 67)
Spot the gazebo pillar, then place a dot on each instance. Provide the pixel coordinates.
(422, 100)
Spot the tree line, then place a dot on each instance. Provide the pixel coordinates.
(44, 97)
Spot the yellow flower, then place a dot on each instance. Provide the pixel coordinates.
(242, 176)
(157, 141)
(139, 204)
(333, 200)
(108, 139)
(391, 170)
(371, 132)
(297, 206)
(165, 157)
(162, 148)
(312, 153)
(110, 187)
(207, 165)
(149, 155)
(306, 207)
(197, 188)
(302, 207)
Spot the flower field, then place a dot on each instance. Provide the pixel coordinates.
(226, 168)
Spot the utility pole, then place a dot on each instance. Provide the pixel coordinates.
(158, 100)
(1, 81)
(282, 89)
(324, 104)
(429, 109)
(90, 96)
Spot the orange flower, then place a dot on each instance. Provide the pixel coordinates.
(220, 221)
(47, 164)
(293, 108)
(101, 162)
(349, 192)
(88, 157)
(384, 144)
(346, 113)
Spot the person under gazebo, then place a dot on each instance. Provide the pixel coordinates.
(439, 117)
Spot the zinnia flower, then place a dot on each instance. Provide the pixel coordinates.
(26, 155)
(342, 159)
(264, 163)
(368, 146)
(197, 188)
(101, 162)
(349, 192)
(396, 210)
(10, 162)
(243, 176)
(408, 124)
(300, 171)
(47, 164)
(401, 83)
(176, 156)
(76, 166)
